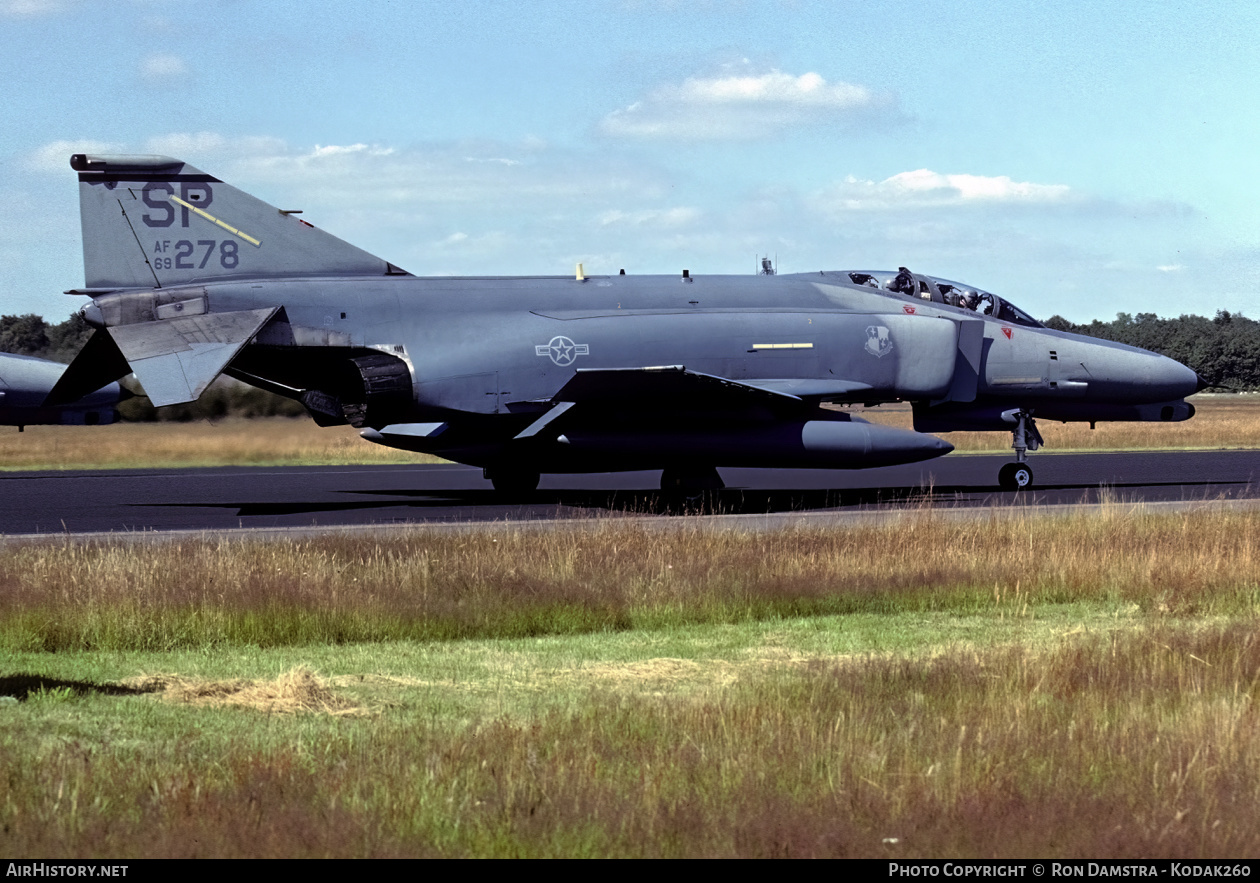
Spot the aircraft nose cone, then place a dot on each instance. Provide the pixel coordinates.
(1179, 379)
(1136, 375)
(1203, 384)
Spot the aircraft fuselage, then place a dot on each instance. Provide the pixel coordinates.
(487, 356)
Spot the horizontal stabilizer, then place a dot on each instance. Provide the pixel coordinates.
(387, 435)
(176, 359)
(98, 364)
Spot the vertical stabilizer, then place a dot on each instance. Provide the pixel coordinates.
(154, 222)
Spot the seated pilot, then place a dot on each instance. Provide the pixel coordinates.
(904, 283)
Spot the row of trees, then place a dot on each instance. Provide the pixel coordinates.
(30, 335)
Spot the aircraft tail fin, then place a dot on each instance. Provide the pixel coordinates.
(155, 221)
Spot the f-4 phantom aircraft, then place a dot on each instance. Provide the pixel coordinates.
(25, 383)
(190, 277)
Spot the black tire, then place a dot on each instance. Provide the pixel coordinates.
(513, 482)
(1015, 477)
(691, 481)
(688, 491)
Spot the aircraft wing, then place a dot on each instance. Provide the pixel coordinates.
(664, 386)
(673, 388)
(669, 384)
(806, 388)
(174, 359)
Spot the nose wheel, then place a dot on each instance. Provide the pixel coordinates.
(1018, 476)
(1015, 477)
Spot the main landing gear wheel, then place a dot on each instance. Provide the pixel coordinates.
(513, 483)
(691, 489)
(1015, 477)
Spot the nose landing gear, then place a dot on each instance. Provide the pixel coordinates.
(1018, 476)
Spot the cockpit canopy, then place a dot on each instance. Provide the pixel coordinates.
(943, 292)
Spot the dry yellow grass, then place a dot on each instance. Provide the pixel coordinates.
(229, 442)
(1222, 421)
(295, 691)
(608, 575)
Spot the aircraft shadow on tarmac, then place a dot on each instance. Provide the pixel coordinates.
(733, 501)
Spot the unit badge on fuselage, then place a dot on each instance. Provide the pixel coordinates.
(562, 351)
(878, 343)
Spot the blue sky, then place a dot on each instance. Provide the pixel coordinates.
(1077, 159)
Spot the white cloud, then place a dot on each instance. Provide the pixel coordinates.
(809, 89)
(163, 67)
(32, 8)
(1170, 268)
(924, 188)
(741, 107)
(346, 149)
(498, 159)
(485, 175)
(976, 187)
(672, 217)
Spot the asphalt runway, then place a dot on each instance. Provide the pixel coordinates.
(142, 500)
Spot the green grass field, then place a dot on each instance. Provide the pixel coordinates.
(1074, 686)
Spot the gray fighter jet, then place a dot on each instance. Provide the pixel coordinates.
(26, 382)
(190, 278)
